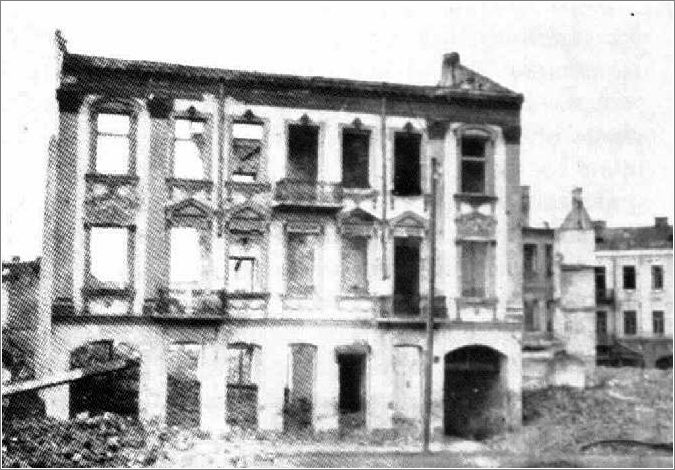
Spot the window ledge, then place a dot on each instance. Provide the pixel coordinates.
(357, 296)
(486, 301)
(247, 295)
(407, 196)
(363, 190)
(111, 178)
(121, 292)
(474, 197)
(255, 185)
(190, 183)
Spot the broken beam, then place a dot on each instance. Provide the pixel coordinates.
(64, 377)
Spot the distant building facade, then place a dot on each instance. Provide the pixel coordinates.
(634, 288)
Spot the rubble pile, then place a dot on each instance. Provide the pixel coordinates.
(623, 404)
(106, 440)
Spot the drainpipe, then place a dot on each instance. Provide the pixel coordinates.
(221, 144)
(383, 143)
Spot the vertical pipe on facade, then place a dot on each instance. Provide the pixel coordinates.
(221, 144)
(429, 359)
(383, 143)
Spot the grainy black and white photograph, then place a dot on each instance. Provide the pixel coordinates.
(337, 234)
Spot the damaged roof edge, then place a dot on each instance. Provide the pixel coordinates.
(78, 63)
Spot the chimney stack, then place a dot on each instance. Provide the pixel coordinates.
(449, 72)
(599, 225)
(525, 205)
(660, 221)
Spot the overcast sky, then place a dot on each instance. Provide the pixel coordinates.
(597, 79)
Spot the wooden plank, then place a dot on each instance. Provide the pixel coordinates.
(64, 377)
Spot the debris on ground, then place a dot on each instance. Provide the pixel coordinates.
(562, 420)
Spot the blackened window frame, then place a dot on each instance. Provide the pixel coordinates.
(629, 282)
(366, 134)
(657, 275)
(630, 320)
(658, 322)
(412, 188)
(306, 124)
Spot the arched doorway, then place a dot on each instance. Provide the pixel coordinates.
(474, 394)
(116, 391)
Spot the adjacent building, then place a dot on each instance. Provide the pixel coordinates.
(558, 298)
(634, 288)
(273, 232)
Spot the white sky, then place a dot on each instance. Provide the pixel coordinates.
(597, 79)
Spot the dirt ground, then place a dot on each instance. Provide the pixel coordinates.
(622, 403)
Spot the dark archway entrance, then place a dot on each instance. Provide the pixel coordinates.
(352, 396)
(474, 395)
(116, 391)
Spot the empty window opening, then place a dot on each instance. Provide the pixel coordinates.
(630, 323)
(550, 310)
(407, 180)
(183, 393)
(549, 260)
(355, 159)
(109, 257)
(241, 274)
(299, 393)
(242, 385)
(629, 277)
(407, 275)
(531, 315)
(115, 391)
(477, 260)
(354, 265)
(657, 277)
(658, 323)
(473, 164)
(475, 398)
(600, 280)
(300, 264)
(601, 324)
(530, 259)
(247, 141)
(303, 148)
(189, 155)
(186, 258)
(352, 396)
(112, 143)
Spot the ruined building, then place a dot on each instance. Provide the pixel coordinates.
(259, 243)
(593, 294)
(558, 298)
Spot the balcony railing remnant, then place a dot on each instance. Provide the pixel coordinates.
(304, 192)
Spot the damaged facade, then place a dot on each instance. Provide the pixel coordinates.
(259, 244)
(558, 298)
